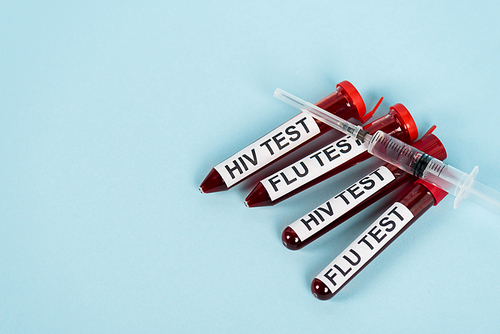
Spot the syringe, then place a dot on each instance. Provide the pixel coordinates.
(407, 158)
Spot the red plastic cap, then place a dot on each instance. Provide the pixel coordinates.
(353, 97)
(408, 121)
(437, 192)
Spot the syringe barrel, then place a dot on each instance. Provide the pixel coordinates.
(396, 152)
(445, 176)
(416, 162)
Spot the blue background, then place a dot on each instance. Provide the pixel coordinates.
(113, 112)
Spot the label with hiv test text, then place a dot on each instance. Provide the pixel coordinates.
(312, 166)
(365, 247)
(334, 208)
(276, 143)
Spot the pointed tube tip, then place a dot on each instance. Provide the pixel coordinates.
(320, 290)
(290, 239)
(213, 183)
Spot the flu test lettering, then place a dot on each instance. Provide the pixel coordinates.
(366, 247)
(268, 148)
(313, 166)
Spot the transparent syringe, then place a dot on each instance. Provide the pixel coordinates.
(407, 158)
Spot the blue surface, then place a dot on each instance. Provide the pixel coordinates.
(112, 113)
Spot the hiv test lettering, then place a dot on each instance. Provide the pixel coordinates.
(345, 201)
(281, 140)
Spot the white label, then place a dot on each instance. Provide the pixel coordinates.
(365, 247)
(312, 166)
(276, 143)
(345, 201)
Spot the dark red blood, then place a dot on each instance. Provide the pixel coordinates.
(212, 183)
(290, 239)
(320, 290)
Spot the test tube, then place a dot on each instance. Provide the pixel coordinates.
(330, 160)
(368, 190)
(394, 221)
(345, 102)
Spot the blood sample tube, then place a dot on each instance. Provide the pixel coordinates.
(330, 160)
(376, 238)
(345, 102)
(368, 190)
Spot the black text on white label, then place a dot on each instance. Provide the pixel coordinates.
(276, 143)
(365, 247)
(312, 166)
(341, 203)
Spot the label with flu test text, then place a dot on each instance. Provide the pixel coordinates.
(313, 166)
(331, 210)
(365, 247)
(273, 145)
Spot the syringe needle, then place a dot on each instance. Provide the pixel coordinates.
(407, 158)
(322, 115)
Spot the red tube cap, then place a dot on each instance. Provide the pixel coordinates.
(353, 96)
(407, 120)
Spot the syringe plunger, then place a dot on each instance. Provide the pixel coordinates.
(446, 177)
